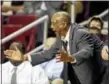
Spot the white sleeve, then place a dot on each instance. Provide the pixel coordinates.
(39, 76)
(29, 57)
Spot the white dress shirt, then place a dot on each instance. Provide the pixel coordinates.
(26, 74)
(66, 38)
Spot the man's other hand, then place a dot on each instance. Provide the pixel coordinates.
(15, 55)
(63, 56)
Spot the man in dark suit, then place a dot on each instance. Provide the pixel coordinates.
(78, 56)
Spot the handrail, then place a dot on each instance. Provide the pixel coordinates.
(100, 15)
(22, 30)
(36, 49)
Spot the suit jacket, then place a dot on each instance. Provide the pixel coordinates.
(81, 47)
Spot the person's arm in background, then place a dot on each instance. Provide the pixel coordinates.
(101, 47)
(105, 52)
(39, 76)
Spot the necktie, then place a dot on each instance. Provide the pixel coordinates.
(68, 72)
(64, 45)
(13, 79)
(64, 74)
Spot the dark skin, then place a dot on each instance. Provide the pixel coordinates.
(60, 25)
(15, 47)
(15, 55)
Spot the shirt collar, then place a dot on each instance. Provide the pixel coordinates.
(19, 67)
(67, 35)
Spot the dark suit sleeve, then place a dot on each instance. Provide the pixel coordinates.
(98, 44)
(84, 45)
(45, 55)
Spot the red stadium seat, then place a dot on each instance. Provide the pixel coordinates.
(9, 29)
(25, 20)
(24, 38)
(21, 19)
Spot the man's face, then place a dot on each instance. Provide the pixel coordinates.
(95, 27)
(59, 24)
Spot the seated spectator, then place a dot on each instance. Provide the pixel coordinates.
(52, 67)
(18, 72)
(95, 26)
(105, 56)
(10, 7)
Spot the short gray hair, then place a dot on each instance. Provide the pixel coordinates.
(65, 14)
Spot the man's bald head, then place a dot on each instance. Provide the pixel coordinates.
(60, 23)
(64, 16)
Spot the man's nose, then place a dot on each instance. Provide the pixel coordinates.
(52, 27)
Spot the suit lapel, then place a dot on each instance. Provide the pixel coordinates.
(72, 31)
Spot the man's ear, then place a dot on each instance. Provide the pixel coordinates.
(65, 24)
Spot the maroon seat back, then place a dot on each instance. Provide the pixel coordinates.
(25, 20)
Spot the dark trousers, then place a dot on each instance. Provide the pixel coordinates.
(69, 74)
(105, 79)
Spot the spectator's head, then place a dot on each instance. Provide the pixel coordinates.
(57, 81)
(49, 42)
(95, 25)
(20, 47)
(60, 23)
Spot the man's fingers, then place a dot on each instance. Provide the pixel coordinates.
(13, 59)
(16, 48)
(8, 57)
(8, 52)
(63, 51)
(58, 58)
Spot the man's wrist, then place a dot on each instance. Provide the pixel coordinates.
(25, 58)
(72, 59)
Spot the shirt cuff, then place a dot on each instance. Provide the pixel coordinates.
(73, 61)
(29, 57)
